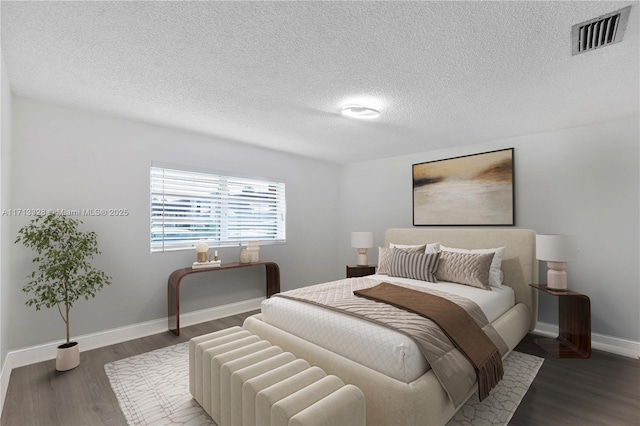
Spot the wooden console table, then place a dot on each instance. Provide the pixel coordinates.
(574, 323)
(173, 299)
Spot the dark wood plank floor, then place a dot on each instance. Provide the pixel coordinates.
(603, 390)
(39, 395)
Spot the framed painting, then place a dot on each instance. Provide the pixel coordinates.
(473, 190)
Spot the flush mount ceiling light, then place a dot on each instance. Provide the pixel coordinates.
(359, 111)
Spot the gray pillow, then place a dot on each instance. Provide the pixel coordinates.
(470, 269)
(417, 266)
(384, 257)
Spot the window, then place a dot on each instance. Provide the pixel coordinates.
(189, 207)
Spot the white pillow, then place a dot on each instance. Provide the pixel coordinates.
(406, 246)
(495, 272)
(430, 248)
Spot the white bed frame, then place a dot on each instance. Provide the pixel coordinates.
(424, 401)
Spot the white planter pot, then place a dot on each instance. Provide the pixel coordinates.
(68, 356)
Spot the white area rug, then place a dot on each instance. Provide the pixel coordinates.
(153, 389)
(498, 408)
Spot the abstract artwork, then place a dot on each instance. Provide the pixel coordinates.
(471, 190)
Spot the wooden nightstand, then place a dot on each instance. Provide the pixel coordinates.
(360, 271)
(574, 334)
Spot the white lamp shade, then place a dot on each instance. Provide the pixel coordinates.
(556, 248)
(362, 239)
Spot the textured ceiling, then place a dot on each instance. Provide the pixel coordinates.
(275, 74)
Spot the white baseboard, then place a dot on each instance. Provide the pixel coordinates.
(5, 374)
(47, 351)
(600, 342)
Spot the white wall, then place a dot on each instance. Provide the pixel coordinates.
(581, 181)
(5, 163)
(65, 158)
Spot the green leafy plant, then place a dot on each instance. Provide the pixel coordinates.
(64, 274)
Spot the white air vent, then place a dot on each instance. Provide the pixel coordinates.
(599, 32)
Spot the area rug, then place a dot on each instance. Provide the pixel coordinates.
(153, 389)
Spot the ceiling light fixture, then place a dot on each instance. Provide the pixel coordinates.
(359, 111)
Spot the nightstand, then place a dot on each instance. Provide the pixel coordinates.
(574, 318)
(360, 271)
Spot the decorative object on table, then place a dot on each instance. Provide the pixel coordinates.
(362, 241)
(64, 273)
(470, 190)
(556, 250)
(245, 256)
(202, 258)
(253, 247)
(205, 265)
(202, 253)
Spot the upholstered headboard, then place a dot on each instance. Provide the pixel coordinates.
(519, 263)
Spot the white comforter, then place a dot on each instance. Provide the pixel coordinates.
(379, 348)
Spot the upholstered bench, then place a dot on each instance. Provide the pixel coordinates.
(240, 379)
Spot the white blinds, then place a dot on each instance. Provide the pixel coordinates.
(192, 207)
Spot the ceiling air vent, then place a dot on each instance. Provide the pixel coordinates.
(599, 32)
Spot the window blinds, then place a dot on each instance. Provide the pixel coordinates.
(188, 208)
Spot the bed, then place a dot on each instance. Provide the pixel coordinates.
(409, 392)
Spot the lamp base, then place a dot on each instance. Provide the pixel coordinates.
(556, 276)
(362, 257)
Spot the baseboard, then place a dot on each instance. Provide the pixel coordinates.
(47, 351)
(600, 342)
(5, 374)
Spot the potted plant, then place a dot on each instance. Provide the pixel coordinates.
(64, 274)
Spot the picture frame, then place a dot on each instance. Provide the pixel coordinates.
(471, 190)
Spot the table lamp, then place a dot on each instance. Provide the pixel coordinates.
(556, 250)
(362, 241)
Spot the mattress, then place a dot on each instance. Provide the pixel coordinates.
(377, 347)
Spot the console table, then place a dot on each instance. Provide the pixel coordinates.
(173, 299)
(574, 323)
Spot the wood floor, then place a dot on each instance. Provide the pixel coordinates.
(603, 390)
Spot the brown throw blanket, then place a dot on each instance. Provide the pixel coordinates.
(456, 323)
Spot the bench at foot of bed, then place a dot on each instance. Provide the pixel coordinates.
(240, 379)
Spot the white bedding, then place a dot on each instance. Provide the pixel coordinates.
(379, 348)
